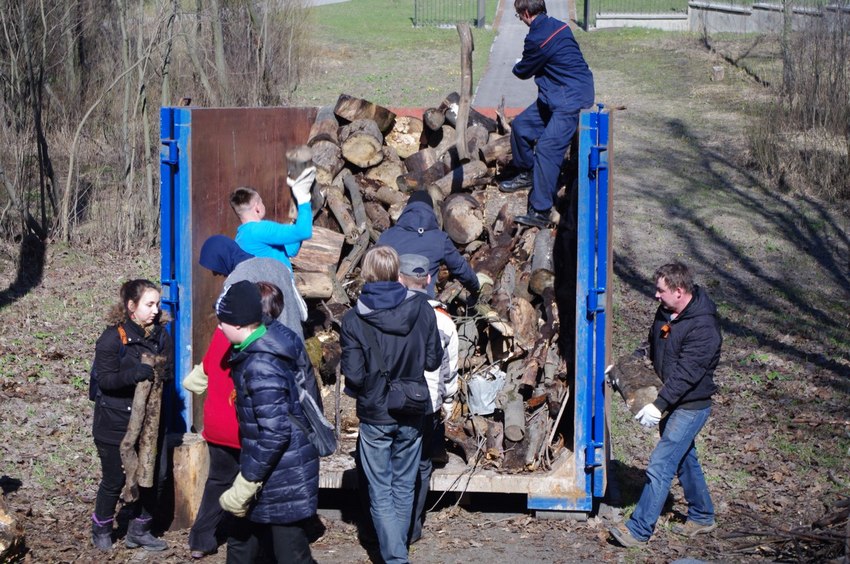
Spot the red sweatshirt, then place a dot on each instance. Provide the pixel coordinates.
(220, 424)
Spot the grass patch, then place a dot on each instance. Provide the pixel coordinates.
(394, 63)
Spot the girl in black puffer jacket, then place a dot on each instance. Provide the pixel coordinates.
(136, 326)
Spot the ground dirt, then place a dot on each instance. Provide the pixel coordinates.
(776, 451)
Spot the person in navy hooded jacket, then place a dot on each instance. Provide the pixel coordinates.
(401, 327)
(541, 134)
(416, 232)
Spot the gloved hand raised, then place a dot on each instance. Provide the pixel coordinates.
(649, 416)
(237, 499)
(196, 381)
(301, 186)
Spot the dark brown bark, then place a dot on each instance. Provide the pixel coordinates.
(419, 179)
(351, 109)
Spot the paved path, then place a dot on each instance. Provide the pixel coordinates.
(498, 80)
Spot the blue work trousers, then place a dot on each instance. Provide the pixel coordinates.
(389, 455)
(675, 455)
(540, 137)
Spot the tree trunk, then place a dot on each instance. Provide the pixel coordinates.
(339, 206)
(419, 179)
(466, 48)
(361, 143)
(496, 150)
(352, 109)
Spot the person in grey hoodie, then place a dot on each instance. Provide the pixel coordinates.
(222, 256)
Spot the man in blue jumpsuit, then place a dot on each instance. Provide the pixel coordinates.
(541, 134)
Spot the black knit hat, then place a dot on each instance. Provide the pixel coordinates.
(240, 304)
(421, 196)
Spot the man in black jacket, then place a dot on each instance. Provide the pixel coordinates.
(390, 334)
(684, 346)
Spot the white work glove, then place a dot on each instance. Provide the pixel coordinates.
(448, 409)
(483, 279)
(608, 376)
(301, 186)
(237, 499)
(649, 416)
(196, 380)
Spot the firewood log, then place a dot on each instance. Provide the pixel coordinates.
(494, 442)
(322, 249)
(327, 158)
(463, 218)
(434, 118)
(297, 159)
(313, 284)
(476, 138)
(496, 150)
(542, 269)
(325, 127)
(635, 379)
(475, 117)
(524, 318)
(421, 160)
(127, 449)
(352, 109)
(11, 531)
(466, 47)
(378, 216)
(535, 437)
(361, 143)
(512, 405)
(418, 179)
(405, 135)
(340, 207)
(387, 171)
(380, 192)
(462, 177)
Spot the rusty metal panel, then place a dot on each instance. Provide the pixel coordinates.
(232, 147)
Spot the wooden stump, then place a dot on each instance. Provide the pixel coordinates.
(191, 467)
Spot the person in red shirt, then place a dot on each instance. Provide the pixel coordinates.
(221, 432)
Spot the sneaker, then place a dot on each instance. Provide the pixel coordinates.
(521, 181)
(692, 528)
(534, 218)
(624, 537)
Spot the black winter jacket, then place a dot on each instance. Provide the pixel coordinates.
(685, 359)
(417, 232)
(274, 451)
(405, 330)
(117, 366)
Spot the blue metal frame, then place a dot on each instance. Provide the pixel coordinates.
(176, 244)
(591, 288)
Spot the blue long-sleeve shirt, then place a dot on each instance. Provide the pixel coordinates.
(276, 240)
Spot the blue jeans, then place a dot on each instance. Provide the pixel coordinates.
(390, 455)
(675, 455)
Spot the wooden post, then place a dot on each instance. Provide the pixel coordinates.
(191, 467)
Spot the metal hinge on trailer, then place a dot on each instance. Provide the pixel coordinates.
(596, 162)
(593, 302)
(591, 460)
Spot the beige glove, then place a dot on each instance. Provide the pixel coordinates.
(196, 380)
(301, 186)
(237, 499)
(483, 279)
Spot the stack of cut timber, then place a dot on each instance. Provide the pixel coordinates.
(369, 160)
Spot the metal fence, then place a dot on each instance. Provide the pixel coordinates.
(448, 12)
(681, 6)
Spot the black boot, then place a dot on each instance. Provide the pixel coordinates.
(139, 534)
(521, 181)
(101, 533)
(534, 218)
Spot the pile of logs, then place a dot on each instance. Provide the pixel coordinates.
(368, 161)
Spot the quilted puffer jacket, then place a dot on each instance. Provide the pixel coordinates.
(274, 451)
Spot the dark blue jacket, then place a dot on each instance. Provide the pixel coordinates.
(274, 451)
(685, 359)
(417, 232)
(552, 56)
(405, 331)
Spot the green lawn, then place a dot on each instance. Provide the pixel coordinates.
(386, 59)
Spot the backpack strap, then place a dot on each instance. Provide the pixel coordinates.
(122, 333)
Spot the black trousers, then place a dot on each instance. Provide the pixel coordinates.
(212, 521)
(112, 481)
(287, 543)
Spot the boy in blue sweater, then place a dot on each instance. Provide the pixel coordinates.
(264, 238)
